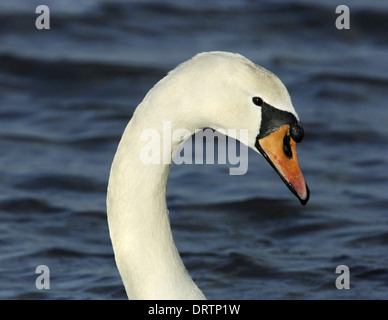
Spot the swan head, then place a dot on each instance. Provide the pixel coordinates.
(227, 91)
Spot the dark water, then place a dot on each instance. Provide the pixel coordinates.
(66, 95)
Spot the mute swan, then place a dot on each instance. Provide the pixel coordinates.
(216, 90)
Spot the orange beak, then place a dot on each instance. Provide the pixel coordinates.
(280, 151)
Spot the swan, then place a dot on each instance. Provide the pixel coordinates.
(218, 90)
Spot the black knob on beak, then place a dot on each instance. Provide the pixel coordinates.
(297, 132)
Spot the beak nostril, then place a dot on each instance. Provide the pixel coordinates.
(287, 147)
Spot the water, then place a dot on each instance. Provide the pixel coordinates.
(66, 95)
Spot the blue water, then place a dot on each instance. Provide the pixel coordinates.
(66, 95)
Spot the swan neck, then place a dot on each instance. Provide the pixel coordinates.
(145, 252)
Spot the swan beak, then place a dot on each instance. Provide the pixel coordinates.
(280, 151)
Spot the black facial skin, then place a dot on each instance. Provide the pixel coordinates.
(272, 119)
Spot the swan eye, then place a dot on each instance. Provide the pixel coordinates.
(257, 101)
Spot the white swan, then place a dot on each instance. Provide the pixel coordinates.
(216, 90)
